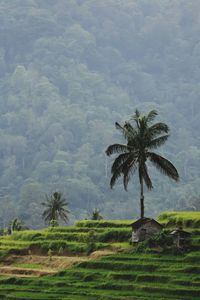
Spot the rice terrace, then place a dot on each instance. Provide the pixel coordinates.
(95, 260)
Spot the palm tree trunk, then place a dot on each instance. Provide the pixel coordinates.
(141, 199)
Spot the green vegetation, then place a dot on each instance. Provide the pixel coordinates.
(125, 275)
(96, 215)
(16, 225)
(72, 240)
(55, 209)
(141, 138)
(104, 233)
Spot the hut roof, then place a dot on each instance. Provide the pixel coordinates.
(181, 233)
(142, 221)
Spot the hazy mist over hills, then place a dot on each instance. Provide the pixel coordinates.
(69, 69)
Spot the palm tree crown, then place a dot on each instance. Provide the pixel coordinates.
(96, 215)
(142, 138)
(55, 208)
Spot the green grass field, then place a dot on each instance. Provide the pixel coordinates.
(123, 275)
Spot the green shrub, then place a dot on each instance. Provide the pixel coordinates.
(91, 247)
(142, 247)
(91, 239)
(163, 240)
(53, 223)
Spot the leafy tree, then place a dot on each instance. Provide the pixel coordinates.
(141, 138)
(55, 209)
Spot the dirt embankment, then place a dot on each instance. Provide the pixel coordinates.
(34, 265)
(37, 265)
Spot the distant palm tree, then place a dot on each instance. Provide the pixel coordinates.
(96, 214)
(16, 225)
(55, 209)
(141, 138)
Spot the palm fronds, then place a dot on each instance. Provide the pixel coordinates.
(157, 129)
(151, 116)
(55, 208)
(163, 165)
(155, 143)
(116, 148)
(143, 175)
(141, 137)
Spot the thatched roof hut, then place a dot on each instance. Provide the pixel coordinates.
(181, 238)
(144, 229)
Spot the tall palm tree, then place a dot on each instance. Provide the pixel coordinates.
(55, 208)
(142, 136)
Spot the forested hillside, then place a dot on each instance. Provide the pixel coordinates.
(69, 69)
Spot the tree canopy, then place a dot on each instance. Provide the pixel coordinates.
(68, 71)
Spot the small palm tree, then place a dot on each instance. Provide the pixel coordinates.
(55, 209)
(16, 225)
(96, 214)
(141, 138)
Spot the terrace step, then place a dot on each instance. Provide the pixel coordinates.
(6, 270)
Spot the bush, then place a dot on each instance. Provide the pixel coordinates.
(91, 247)
(162, 242)
(142, 247)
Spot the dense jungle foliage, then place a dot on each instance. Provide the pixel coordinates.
(69, 69)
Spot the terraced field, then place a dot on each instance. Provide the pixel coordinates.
(70, 239)
(56, 243)
(123, 275)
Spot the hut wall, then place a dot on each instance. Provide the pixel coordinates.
(145, 231)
